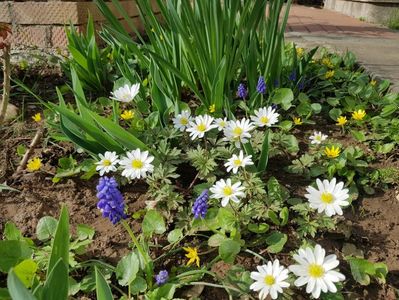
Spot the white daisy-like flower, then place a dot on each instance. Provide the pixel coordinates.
(329, 197)
(126, 93)
(220, 123)
(238, 131)
(316, 271)
(136, 164)
(317, 138)
(237, 161)
(226, 191)
(270, 279)
(265, 116)
(181, 120)
(199, 126)
(107, 162)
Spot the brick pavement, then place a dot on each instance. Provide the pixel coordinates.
(376, 47)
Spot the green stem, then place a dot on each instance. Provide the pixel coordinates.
(255, 254)
(141, 251)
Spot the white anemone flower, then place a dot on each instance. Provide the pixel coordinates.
(316, 271)
(181, 120)
(265, 116)
(270, 279)
(107, 162)
(126, 93)
(199, 126)
(136, 164)
(238, 131)
(220, 123)
(317, 138)
(226, 191)
(329, 197)
(237, 161)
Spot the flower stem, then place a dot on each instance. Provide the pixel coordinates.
(147, 267)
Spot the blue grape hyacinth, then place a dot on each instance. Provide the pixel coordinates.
(261, 86)
(200, 206)
(292, 76)
(162, 277)
(111, 202)
(242, 91)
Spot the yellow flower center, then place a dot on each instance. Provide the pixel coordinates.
(227, 191)
(264, 120)
(327, 197)
(315, 271)
(238, 131)
(137, 164)
(184, 121)
(106, 163)
(201, 127)
(237, 162)
(269, 280)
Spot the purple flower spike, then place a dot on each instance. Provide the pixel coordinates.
(111, 202)
(292, 76)
(200, 206)
(242, 91)
(261, 87)
(162, 277)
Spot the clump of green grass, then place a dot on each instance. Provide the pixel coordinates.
(393, 21)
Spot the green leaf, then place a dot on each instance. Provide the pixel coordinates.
(46, 228)
(276, 241)
(11, 232)
(362, 269)
(139, 285)
(216, 240)
(264, 155)
(335, 113)
(273, 217)
(57, 283)
(60, 245)
(359, 135)
(153, 223)
(228, 250)
(103, 291)
(283, 97)
(12, 253)
(284, 216)
(127, 269)
(85, 232)
(226, 219)
(258, 228)
(17, 289)
(21, 149)
(26, 271)
(175, 235)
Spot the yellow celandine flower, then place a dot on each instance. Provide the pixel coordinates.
(192, 254)
(37, 117)
(341, 121)
(358, 115)
(300, 51)
(297, 121)
(34, 164)
(330, 74)
(327, 62)
(373, 82)
(212, 108)
(332, 152)
(127, 115)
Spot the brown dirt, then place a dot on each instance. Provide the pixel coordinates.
(373, 221)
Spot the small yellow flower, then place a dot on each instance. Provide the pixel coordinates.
(358, 115)
(297, 121)
(373, 82)
(37, 117)
(34, 164)
(341, 121)
(212, 108)
(332, 152)
(330, 74)
(327, 62)
(300, 51)
(192, 254)
(127, 115)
